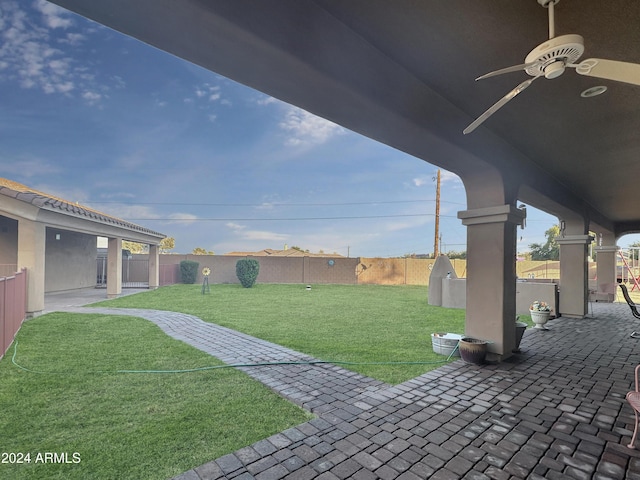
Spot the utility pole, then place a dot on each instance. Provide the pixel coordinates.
(436, 236)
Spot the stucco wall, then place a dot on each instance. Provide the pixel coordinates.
(70, 262)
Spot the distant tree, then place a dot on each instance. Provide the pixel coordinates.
(202, 251)
(525, 255)
(550, 250)
(166, 244)
(461, 255)
(134, 247)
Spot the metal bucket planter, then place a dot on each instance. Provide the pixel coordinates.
(445, 343)
(473, 350)
(520, 328)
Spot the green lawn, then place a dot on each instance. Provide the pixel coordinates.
(346, 323)
(124, 425)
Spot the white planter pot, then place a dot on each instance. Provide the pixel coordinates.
(539, 318)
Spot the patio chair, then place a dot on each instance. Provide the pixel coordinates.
(633, 306)
(633, 398)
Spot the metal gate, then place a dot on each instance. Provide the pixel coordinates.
(135, 272)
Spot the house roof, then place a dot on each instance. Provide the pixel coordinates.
(45, 201)
(289, 252)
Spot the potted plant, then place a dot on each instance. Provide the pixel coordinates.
(540, 313)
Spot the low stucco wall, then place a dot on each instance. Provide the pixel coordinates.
(528, 292)
(454, 294)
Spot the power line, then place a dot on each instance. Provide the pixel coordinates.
(280, 219)
(276, 204)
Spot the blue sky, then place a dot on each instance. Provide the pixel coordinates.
(102, 119)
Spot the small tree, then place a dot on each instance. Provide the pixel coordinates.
(202, 251)
(188, 271)
(166, 244)
(550, 250)
(247, 270)
(135, 247)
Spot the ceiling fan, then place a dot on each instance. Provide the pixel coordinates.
(551, 58)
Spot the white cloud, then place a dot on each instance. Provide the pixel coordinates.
(28, 53)
(266, 100)
(208, 92)
(235, 226)
(420, 181)
(243, 233)
(68, 193)
(183, 218)
(25, 51)
(265, 235)
(28, 167)
(306, 129)
(73, 39)
(445, 177)
(129, 212)
(449, 177)
(117, 195)
(53, 15)
(91, 98)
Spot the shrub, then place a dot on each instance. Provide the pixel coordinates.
(188, 271)
(247, 270)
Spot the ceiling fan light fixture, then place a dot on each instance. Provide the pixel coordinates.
(593, 91)
(566, 49)
(554, 70)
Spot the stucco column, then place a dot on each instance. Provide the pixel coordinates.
(31, 251)
(491, 276)
(606, 260)
(574, 275)
(114, 267)
(154, 267)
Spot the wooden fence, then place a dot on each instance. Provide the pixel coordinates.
(13, 307)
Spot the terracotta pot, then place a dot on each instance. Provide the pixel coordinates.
(473, 350)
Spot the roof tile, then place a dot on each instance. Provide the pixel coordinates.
(45, 201)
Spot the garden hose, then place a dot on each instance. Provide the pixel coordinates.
(232, 365)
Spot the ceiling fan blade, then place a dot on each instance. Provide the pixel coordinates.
(515, 68)
(498, 105)
(610, 69)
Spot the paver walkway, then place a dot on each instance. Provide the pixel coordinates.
(554, 411)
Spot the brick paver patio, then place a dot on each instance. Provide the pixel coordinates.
(554, 411)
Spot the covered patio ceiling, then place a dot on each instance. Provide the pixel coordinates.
(402, 72)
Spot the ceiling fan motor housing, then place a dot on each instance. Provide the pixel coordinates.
(551, 57)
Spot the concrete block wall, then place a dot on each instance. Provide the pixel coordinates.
(274, 269)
